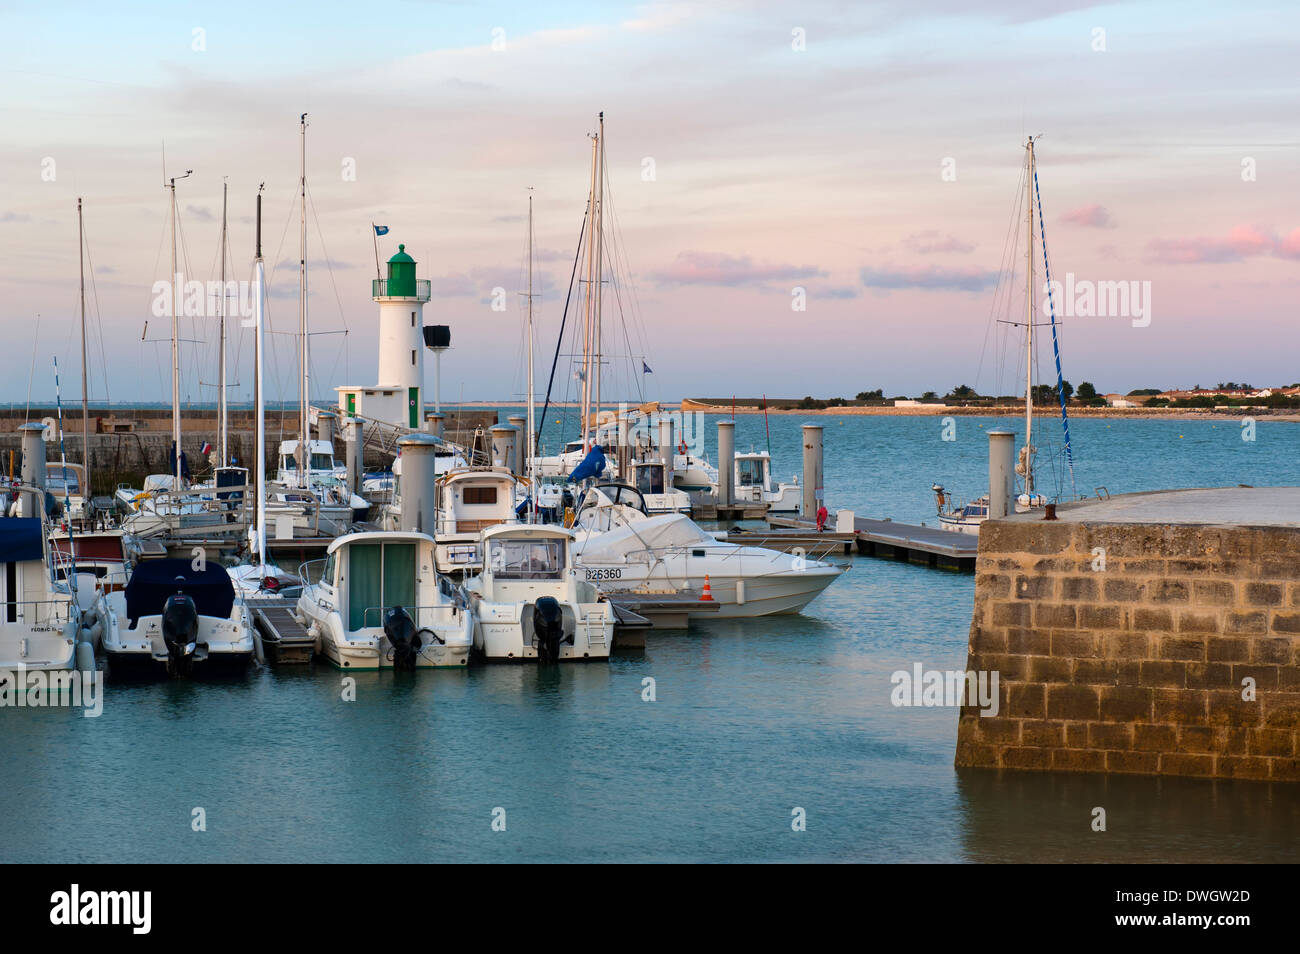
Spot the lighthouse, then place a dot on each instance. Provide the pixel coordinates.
(398, 398)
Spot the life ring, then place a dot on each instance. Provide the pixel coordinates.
(681, 448)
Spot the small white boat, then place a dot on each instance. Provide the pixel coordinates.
(470, 499)
(40, 619)
(530, 602)
(620, 547)
(376, 602)
(753, 484)
(647, 476)
(173, 618)
(325, 475)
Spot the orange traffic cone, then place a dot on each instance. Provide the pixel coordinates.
(707, 595)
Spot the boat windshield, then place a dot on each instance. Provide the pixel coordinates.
(750, 471)
(523, 559)
(62, 481)
(650, 478)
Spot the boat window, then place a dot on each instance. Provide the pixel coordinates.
(327, 574)
(480, 495)
(650, 478)
(322, 462)
(751, 472)
(517, 559)
(58, 482)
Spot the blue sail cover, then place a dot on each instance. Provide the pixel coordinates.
(152, 581)
(20, 539)
(593, 465)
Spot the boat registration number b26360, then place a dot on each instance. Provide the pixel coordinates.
(605, 574)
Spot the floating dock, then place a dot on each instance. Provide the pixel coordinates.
(926, 546)
(284, 639)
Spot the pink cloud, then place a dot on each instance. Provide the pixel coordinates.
(718, 268)
(1242, 241)
(1092, 216)
(931, 242)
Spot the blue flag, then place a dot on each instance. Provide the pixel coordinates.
(381, 229)
(645, 368)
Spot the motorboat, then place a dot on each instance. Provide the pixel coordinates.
(178, 617)
(530, 602)
(754, 484)
(620, 547)
(376, 602)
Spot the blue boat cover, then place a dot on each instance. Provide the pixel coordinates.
(593, 465)
(20, 539)
(152, 581)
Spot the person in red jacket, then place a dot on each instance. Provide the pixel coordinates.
(821, 518)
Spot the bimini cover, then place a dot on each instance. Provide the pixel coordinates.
(153, 581)
(593, 465)
(20, 539)
(671, 530)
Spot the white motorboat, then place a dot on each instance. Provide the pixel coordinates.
(531, 603)
(176, 619)
(647, 476)
(620, 547)
(40, 619)
(376, 602)
(753, 484)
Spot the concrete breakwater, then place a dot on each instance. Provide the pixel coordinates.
(1150, 633)
(127, 444)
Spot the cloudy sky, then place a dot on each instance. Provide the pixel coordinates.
(868, 153)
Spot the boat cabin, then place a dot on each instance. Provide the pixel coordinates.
(524, 561)
(366, 574)
(470, 500)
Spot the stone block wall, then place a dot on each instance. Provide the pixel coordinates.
(1127, 648)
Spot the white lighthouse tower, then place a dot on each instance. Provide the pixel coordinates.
(398, 398)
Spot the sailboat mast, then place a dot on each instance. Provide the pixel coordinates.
(304, 429)
(587, 318)
(176, 360)
(259, 278)
(600, 263)
(532, 428)
(1029, 320)
(85, 394)
(221, 358)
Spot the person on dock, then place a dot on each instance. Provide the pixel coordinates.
(821, 518)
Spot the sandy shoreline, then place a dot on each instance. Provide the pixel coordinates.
(944, 410)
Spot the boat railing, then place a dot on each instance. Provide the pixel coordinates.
(312, 571)
(51, 614)
(423, 616)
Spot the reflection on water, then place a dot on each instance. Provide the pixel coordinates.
(1046, 817)
(752, 719)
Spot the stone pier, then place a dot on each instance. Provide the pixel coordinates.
(1154, 633)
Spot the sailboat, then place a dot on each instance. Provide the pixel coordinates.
(966, 518)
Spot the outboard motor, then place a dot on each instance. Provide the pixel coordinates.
(180, 633)
(403, 637)
(548, 629)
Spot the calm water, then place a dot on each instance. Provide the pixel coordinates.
(752, 719)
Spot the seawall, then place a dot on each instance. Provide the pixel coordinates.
(1151, 633)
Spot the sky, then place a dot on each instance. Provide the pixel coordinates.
(867, 154)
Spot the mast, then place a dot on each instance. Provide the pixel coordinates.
(304, 395)
(85, 394)
(223, 420)
(587, 318)
(259, 279)
(531, 446)
(176, 352)
(1029, 321)
(600, 264)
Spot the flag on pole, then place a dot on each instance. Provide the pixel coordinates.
(645, 368)
(205, 449)
(381, 229)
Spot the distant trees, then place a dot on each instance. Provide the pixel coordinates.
(877, 395)
(1086, 391)
(1144, 392)
(962, 392)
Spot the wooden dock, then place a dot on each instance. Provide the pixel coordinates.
(705, 506)
(284, 639)
(890, 540)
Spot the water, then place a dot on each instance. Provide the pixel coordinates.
(751, 720)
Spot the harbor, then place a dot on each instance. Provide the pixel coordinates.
(649, 434)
